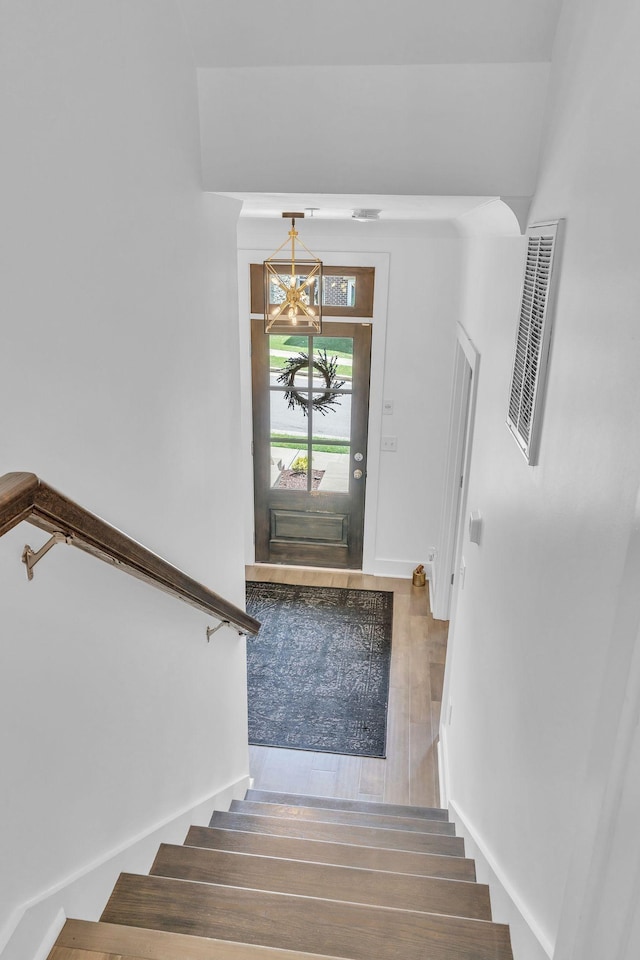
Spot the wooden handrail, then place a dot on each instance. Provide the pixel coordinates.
(23, 496)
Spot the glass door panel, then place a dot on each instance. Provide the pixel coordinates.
(331, 465)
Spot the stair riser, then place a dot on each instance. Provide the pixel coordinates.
(323, 815)
(297, 923)
(428, 895)
(315, 851)
(341, 833)
(363, 806)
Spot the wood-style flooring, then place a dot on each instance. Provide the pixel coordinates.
(409, 774)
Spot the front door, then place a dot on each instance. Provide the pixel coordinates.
(310, 414)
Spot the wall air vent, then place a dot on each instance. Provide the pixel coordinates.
(533, 337)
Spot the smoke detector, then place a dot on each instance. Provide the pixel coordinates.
(365, 215)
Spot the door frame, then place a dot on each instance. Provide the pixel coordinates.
(380, 261)
(340, 513)
(461, 431)
(461, 423)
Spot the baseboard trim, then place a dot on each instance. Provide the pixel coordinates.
(528, 940)
(443, 775)
(33, 927)
(402, 569)
(52, 934)
(441, 593)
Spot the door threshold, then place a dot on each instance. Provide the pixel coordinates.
(300, 566)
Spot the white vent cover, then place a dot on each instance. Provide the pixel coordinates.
(533, 338)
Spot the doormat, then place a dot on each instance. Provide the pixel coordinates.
(318, 671)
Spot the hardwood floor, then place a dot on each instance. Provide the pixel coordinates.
(409, 775)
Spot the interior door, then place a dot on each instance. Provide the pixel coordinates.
(310, 415)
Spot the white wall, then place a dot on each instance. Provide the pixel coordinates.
(412, 359)
(534, 627)
(118, 387)
(458, 128)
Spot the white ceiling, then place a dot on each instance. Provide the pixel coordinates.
(341, 206)
(256, 33)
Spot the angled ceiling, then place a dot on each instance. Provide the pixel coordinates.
(341, 206)
(359, 32)
(418, 98)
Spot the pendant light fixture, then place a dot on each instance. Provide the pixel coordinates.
(292, 287)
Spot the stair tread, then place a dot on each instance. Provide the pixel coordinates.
(338, 803)
(288, 921)
(343, 833)
(356, 817)
(323, 851)
(352, 884)
(89, 940)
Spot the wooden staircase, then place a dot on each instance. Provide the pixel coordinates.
(285, 877)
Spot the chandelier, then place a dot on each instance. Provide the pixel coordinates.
(292, 287)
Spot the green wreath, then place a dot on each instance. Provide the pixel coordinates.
(327, 368)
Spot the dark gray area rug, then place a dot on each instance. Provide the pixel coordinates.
(318, 671)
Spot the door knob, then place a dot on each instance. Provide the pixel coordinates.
(357, 474)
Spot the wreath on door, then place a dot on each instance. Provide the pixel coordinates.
(327, 368)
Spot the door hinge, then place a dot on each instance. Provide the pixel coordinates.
(452, 576)
(461, 480)
(252, 448)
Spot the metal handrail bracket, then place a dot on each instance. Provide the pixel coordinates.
(223, 623)
(31, 557)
